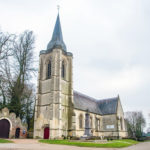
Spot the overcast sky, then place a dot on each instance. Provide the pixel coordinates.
(109, 39)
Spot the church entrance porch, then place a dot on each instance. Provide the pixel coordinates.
(4, 128)
(46, 133)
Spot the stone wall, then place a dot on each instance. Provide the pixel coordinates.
(122, 127)
(109, 124)
(15, 123)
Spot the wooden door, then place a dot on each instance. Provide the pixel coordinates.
(4, 128)
(46, 133)
(17, 134)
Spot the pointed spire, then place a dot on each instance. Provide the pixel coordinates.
(57, 37)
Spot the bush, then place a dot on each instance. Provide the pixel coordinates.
(141, 139)
(30, 134)
(110, 138)
(37, 137)
(95, 138)
(74, 138)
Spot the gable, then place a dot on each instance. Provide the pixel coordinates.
(120, 109)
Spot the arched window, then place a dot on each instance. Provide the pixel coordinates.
(91, 122)
(49, 70)
(63, 70)
(97, 124)
(121, 123)
(41, 69)
(80, 121)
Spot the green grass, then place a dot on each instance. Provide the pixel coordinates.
(5, 141)
(110, 144)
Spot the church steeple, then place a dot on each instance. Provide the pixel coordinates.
(57, 37)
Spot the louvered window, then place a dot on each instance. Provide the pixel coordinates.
(49, 70)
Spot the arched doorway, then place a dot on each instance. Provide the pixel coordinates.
(17, 134)
(4, 128)
(46, 133)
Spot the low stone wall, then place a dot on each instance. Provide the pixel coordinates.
(15, 123)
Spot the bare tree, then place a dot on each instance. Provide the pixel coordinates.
(28, 101)
(6, 41)
(6, 50)
(148, 129)
(23, 67)
(135, 123)
(16, 71)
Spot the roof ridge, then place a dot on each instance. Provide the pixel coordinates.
(108, 99)
(84, 95)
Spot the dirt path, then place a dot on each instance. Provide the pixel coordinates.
(25, 141)
(141, 146)
(31, 144)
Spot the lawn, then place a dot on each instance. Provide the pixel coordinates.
(110, 144)
(5, 141)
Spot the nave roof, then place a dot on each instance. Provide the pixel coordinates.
(102, 107)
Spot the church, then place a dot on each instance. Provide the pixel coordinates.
(60, 111)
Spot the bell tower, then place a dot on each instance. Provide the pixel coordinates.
(54, 99)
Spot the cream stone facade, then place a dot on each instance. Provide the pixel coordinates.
(59, 110)
(111, 125)
(55, 95)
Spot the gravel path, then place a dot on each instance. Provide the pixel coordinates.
(141, 146)
(26, 144)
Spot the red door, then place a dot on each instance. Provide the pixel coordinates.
(46, 133)
(4, 128)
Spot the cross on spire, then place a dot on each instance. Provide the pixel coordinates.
(58, 7)
(57, 37)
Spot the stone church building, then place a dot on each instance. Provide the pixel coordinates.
(59, 110)
(11, 126)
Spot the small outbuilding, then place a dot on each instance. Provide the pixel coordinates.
(11, 126)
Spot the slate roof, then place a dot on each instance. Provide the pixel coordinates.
(57, 37)
(108, 106)
(84, 102)
(102, 107)
(56, 40)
